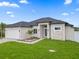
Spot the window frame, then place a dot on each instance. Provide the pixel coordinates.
(35, 31)
(57, 28)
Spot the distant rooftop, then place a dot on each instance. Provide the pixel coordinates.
(76, 28)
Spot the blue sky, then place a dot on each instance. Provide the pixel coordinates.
(12, 11)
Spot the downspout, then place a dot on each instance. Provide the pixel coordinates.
(65, 31)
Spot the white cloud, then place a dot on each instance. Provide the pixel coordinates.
(68, 2)
(65, 14)
(9, 12)
(24, 1)
(8, 4)
(77, 9)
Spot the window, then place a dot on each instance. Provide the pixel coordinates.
(35, 31)
(57, 28)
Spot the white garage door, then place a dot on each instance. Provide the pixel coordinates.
(12, 33)
(76, 36)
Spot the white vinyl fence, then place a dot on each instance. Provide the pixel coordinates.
(76, 34)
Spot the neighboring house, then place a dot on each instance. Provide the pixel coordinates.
(43, 28)
(76, 28)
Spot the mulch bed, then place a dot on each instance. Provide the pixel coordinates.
(31, 39)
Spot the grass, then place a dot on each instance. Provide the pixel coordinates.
(64, 50)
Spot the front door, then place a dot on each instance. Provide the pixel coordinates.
(45, 32)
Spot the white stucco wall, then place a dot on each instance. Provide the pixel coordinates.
(36, 34)
(58, 34)
(17, 33)
(40, 30)
(76, 34)
(66, 32)
(12, 33)
(69, 33)
(24, 32)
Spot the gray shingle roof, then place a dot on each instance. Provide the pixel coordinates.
(35, 22)
(19, 24)
(49, 19)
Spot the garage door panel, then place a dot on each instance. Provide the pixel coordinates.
(12, 33)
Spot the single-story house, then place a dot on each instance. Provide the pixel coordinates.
(46, 27)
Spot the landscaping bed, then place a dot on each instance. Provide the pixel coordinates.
(30, 39)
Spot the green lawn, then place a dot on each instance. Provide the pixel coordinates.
(64, 50)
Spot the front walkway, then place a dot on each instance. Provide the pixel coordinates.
(8, 40)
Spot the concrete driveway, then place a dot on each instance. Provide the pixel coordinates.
(3, 40)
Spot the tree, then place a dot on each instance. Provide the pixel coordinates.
(2, 29)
